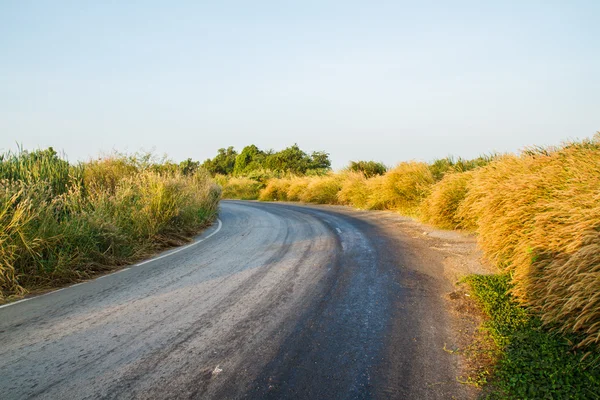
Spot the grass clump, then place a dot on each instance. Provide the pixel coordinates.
(354, 190)
(275, 190)
(402, 188)
(533, 363)
(57, 227)
(41, 165)
(297, 186)
(241, 188)
(440, 208)
(322, 189)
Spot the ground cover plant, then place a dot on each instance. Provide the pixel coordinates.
(532, 362)
(62, 222)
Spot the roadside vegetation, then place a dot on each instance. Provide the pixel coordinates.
(62, 222)
(536, 215)
(529, 361)
(243, 175)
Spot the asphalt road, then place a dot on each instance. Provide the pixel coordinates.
(274, 301)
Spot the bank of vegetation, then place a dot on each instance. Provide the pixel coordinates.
(63, 222)
(536, 215)
(243, 175)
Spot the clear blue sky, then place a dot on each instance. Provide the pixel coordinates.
(383, 80)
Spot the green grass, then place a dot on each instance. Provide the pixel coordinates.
(61, 223)
(533, 363)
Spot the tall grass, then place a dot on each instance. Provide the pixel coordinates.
(322, 189)
(297, 187)
(538, 215)
(354, 190)
(403, 187)
(60, 222)
(41, 165)
(275, 190)
(440, 208)
(240, 188)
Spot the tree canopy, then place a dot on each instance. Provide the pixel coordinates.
(223, 163)
(251, 159)
(368, 168)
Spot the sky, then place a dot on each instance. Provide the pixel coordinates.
(362, 80)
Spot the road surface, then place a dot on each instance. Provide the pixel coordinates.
(275, 301)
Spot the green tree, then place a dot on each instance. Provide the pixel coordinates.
(250, 159)
(320, 160)
(253, 160)
(291, 159)
(368, 168)
(223, 163)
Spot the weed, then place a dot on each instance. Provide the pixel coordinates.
(533, 363)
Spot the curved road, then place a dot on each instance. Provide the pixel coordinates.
(278, 301)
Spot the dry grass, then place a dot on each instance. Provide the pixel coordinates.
(440, 208)
(401, 188)
(354, 191)
(241, 188)
(322, 189)
(276, 190)
(375, 188)
(297, 186)
(538, 215)
(57, 228)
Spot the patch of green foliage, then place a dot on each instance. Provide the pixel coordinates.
(223, 163)
(61, 223)
(368, 168)
(47, 165)
(534, 362)
(291, 160)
